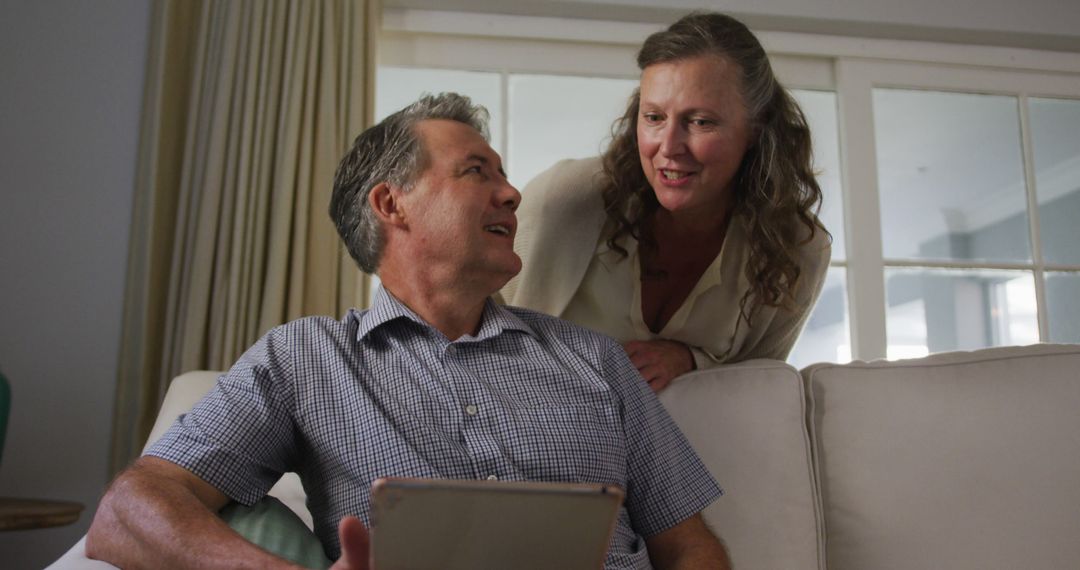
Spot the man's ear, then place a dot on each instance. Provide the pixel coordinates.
(383, 199)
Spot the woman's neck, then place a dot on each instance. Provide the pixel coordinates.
(690, 227)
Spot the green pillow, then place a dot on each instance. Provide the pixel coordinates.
(271, 525)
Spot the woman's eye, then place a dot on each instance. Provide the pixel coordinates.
(651, 117)
(702, 122)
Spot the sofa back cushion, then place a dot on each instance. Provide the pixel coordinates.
(747, 422)
(957, 460)
(184, 391)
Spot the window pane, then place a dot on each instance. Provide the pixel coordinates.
(1063, 306)
(933, 310)
(950, 175)
(555, 117)
(825, 337)
(820, 110)
(396, 87)
(1055, 131)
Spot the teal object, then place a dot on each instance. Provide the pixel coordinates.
(5, 407)
(271, 525)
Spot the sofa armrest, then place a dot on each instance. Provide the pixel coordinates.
(75, 559)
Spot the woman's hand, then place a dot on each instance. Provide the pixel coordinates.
(659, 361)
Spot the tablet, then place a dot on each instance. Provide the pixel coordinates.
(420, 524)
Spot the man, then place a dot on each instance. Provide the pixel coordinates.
(435, 380)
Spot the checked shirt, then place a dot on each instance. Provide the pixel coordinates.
(381, 393)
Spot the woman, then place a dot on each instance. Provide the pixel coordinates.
(694, 240)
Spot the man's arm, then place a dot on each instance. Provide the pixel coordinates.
(688, 545)
(159, 515)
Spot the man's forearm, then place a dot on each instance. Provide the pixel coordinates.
(687, 546)
(148, 519)
(712, 556)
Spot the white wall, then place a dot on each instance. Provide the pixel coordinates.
(71, 76)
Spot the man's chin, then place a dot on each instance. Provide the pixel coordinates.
(516, 267)
(504, 272)
(509, 272)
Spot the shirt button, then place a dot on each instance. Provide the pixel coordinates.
(492, 478)
(471, 409)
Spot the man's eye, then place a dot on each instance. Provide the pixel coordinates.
(651, 117)
(702, 122)
(475, 169)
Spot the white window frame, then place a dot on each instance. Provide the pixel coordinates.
(852, 67)
(866, 264)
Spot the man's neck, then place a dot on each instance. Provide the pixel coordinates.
(455, 310)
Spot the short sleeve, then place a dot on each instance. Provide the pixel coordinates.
(666, 481)
(241, 437)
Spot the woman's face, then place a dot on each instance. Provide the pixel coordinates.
(692, 132)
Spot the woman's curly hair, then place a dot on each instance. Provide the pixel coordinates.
(776, 197)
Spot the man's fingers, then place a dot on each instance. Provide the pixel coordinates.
(355, 545)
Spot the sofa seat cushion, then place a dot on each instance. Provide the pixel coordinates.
(747, 422)
(958, 460)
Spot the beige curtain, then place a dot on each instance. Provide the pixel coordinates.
(248, 106)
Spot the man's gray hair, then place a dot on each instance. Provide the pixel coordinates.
(390, 152)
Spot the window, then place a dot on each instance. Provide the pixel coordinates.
(532, 124)
(975, 178)
(826, 334)
(1055, 133)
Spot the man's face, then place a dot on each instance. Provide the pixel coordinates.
(460, 211)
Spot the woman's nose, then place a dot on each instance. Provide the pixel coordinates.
(672, 140)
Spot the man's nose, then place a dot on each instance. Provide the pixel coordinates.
(508, 196)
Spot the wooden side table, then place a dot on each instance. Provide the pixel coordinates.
(20, 514)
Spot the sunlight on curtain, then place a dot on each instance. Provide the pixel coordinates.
(248, 107)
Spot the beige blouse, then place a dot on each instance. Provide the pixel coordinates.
(568, 271)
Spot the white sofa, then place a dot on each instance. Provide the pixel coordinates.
(958, 460)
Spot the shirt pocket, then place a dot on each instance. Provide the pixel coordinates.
(573, 443)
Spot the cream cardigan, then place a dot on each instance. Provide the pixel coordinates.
(568, 271)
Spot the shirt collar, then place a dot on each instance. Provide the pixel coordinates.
(494, 321)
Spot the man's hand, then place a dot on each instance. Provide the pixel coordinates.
(355, 545)
(659, 361)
